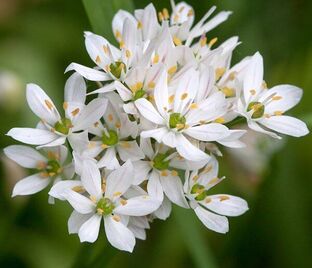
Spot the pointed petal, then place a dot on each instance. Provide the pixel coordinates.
(91, 179)
(188, 150)
(208, 132)
(76, 220)
(163, 212)
(60, 188)
(154, 187)
(129, 150)
(157, 133)
(89, 231)
(79, 202)
(148, 111)
(88, 73)
(142, 168)
(32, 136)
(75, 89)
(30, 185)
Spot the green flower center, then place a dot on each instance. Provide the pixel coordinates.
(177, 120)
(258, 109)
(63, 126)
(105, 206)
(111, 138)
(52, 168)
(160, 163)
(139, 94)
(116, 68)
(199, 191)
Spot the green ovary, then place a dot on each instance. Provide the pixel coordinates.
(105, 206)
(176, 120)
(111, 138)
(116, 68)
(139, 94)
(52, 167)
(258, 109)
(63, 126)
(160, 163)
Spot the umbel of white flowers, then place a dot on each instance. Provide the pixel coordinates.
(167, 96)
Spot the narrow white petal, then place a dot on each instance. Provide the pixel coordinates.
(154, 187)
(214, 222)
(226, 205)
(189, 151)
(32, 136)
(148, 111)
(76, 220)
(41, 104)
(129, 150)
(30, 185)
(146, 147)
(90, 114)
(89, 231)
(75, 89)
(208, 132)
(157, 133)
(119, 180)
(138, 232)
(91, 178)
(88, 73)
(79, 202)
(286, 125)
(163, 212)
(142, 168)
(25, 156)
(57, 142)
(60, 188)
(118, 235)
(109, 159)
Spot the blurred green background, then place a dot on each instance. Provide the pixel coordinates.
(39, 38)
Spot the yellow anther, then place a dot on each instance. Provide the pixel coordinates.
(140, 25)
(207, 169)
(93, 198)
(78, 189)
(190, 13)
(223, 197)
(96, 124)
(177, 41)
(160, 16)
(267, 115)
(91, 144)
(194, 106)
(219, 72)
(128, 53)
(110, 117)
(156, 58)
(176, 18)
(116, 218)
(117, 193)
(99, 211)
(165, 13)
(44, 174)
(117, 125)
(105, 48)
(220, 120)
(207, 200)
(203, 41)
(228, 92)
(75, 112)
(232, 76)
(202, 122)
(171, 99)
(164, 173)
(98, 59)
(275, 98)
(151, 85)
(104, 146)
(253, 92)
(184, 96)
(51, 174)
(125, 144)
(52, 129)
(137, 86)
(277, 113)
(123, 202)
(213, 181)
(181, 9)
(212, 41)
(172, 70)
(48, 104)
(195, 178)
(180, 126)
(65, 105)
(174, 173)
(118, 34)
(121, 44)
(107, 68)
(264, 85)
(41, 165)
(151, 98)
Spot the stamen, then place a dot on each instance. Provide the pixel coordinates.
(156, 59)
(65, 105)
(212, 41)
(75, 112)
(116, 218)
(220, 120)
(48, 104)
(184, 96)
(171, 99)
(151, 85)
(172, 70)
(194, 106)
(140, 25)
(177, 41)
(98, 60)
(164, 173)
(278, 113)
(223, 197)
(219, 72)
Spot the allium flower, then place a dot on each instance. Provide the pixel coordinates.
(95, 199)
(49, 165)
(211, 209)
(54, 129)
(263, 106)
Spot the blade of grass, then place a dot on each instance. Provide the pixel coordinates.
(101, 13)
(190, 231)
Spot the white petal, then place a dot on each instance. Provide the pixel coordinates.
(173, 189)
(226, 205)
(91, 179)
(138, 206)
(90, 114)
(119, 19)
(170, 139)
(286, 125)
(163, 212)
(157, 133)
(88, 73)
(32, 136)
(255, 126)
(25, 156)
(119, 180)
(189, 151)
(138, 232)
(208, 132)
(109, 159)
(118, 235)
(142, 168)
(161, 92)
(129, 150)
(57, 142)
(146, 146)
(214, 222)
(232, 140)
(79, 202)
(76, 220)
(75, 89)
(30, 185)
(154, 187)
(41, 104)
(89, 231)
(60, 188)
(148, 111)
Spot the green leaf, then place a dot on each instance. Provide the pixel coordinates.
(101, 13)
(194, 240)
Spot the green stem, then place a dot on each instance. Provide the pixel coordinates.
(236, 121)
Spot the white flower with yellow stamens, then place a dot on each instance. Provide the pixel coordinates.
(50, 166)
(264, 108)
(211, 209)
(54, 129)
(96, 200)
(179, 120)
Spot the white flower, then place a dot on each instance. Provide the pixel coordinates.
(211, 209)
(50, 167)
(264, 107)
(104, 199)
(54, 129)
(179, 119)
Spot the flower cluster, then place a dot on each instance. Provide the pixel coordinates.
(165, 99)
